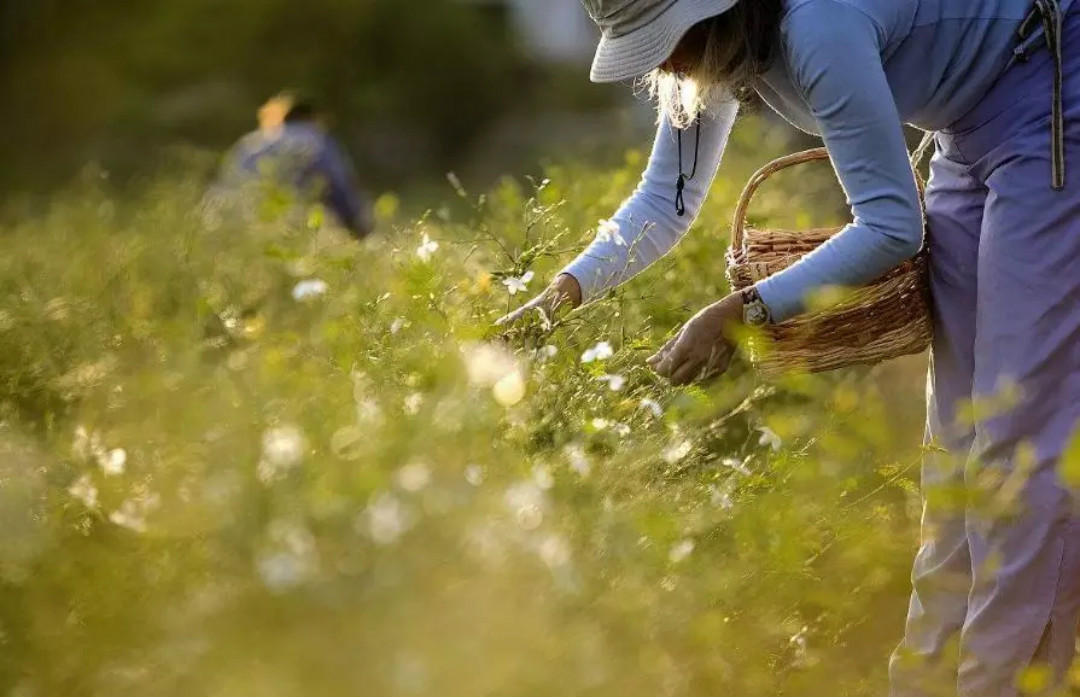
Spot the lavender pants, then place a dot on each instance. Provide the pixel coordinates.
(997, 579)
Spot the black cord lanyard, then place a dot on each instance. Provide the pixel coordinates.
(680, 185)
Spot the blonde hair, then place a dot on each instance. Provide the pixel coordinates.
(272, 114)
(739, 46)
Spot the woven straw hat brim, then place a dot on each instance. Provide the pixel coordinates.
(644, 49)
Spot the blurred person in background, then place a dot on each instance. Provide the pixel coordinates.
(293, 153)
(996, 84)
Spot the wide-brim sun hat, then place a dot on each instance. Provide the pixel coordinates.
(637, 36)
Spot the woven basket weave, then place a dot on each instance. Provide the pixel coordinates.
(887, 318)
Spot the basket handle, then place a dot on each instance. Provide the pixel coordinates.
(738, 227)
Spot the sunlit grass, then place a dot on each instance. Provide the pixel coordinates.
(266, 460)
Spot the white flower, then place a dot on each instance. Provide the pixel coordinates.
(608, 231)
(621, 429)
(545, 352)
(495, 367)
(600, 352)
(398, 324)
(510, 390)
(427, 248)
(735, 464)
(554, 551)
(517, 285)
(488, 363)
(681, 550)
(85, 491)
(542, 477)
(653, 407)
(721, 497)
(600, 424)
(474, 474)
(387, 519)
(769, 438)
(527, 501)
(579, 461)
(676, 452)
(290, 558)
(311, 288)
(87, 445)
(132, 513)
(282, 451)
(412, 403)
(413, 477)
(113, 462)
(614, 382)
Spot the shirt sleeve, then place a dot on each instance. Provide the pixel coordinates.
(647, 226)
(834, 53)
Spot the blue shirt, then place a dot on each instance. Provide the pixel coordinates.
(853, 72)
(304, 158)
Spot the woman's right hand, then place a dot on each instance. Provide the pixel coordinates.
(563, 291)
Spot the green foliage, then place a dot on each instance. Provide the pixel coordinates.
(209, 486)
(108, 80)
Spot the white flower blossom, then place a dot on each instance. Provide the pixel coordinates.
(608, 231)
(579, 461)
(114, 462)
(132, 513)
(621, 429)
(600, 424)
(547, 352)
(653, 407)
(554, 551)
(601, 352)
(413, 477)
(677, 451)
(527, 501)
(542, 477)
(510, 390)
(427, 248)
(398, 324)
(85, 491)
(517, 285)
(311, 288)
(735, 464)
(614, 382)
(283, 450)
(412, 403)
(681, 550)
(291, 556)
(386, 519)
(770, 439)
(721, 497)
(474, 474)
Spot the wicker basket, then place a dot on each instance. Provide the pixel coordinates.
(887, 318)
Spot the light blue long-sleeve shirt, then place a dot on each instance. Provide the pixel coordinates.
(851, 71)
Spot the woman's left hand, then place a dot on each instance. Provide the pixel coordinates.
(701, 350)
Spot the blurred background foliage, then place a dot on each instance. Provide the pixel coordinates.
(412, 86)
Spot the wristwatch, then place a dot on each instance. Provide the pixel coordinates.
(755, 311)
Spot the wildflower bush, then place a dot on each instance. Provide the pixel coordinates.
(267, 460)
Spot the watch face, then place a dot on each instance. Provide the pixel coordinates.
(756, 314)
